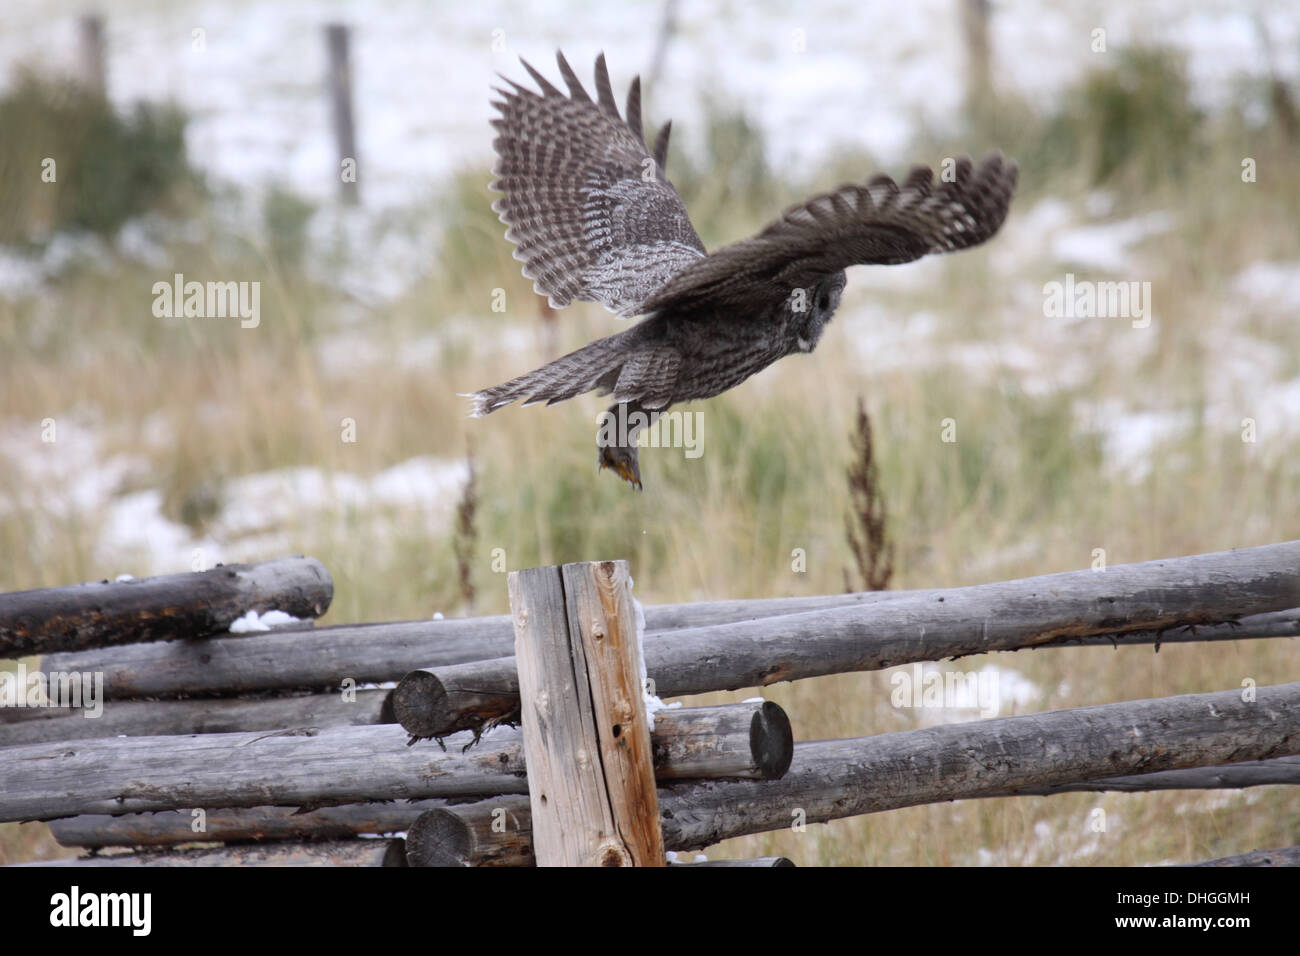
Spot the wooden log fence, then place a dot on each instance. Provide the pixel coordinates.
(217, 715)
(273, 763)
(827, 779)
(309, 766)
(170, 827)
(1231, 595)
(195, 605)
(376, 653)
(323, 853)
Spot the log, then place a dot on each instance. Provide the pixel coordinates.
(752, 740)
(1287, 856)
(384, 652)
(586, 733)
(168, 827)
(240, 824)
(291, 768)
(369, 653)
(463, 835)
(496, 832)
(827, 779)
(143, 718)
(765, 861)
(359, 852)
(425, 706)
(1004, 756)
(1012, 615)
(1233, 776)
(469, 696)
(306, 766)
(194, 605)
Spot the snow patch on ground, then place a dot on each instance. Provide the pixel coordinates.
(74, 481)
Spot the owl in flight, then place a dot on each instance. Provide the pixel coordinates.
(594, 217)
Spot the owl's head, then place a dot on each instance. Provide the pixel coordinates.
(811, 309)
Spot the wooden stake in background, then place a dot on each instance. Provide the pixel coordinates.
(340, 91)
(586, 736)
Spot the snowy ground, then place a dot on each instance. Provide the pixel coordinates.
(422, 71)
(74, 481)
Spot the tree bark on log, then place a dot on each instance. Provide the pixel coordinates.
(282, 768)
(496, 832)
(1127, 604)
(470, 696)
(1010, 615)
(240, 824)
(195, 605)
(357, 852)
(167, 827)
(371, 653)
(831, 779)
(339, 765)
(158, 718)
(1287, 856)
(729, 657)
(752, 740)
(1172, 600)
(761, 861)
(1233, 776)
(1005, 756)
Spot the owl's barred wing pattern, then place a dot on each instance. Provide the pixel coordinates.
(879, 223)
(587, 205)
(649, 377)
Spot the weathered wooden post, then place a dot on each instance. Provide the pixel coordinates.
(586, 734)
(980, 105)
(91, 40)
(340, 87)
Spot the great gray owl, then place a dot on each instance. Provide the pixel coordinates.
(594, 217)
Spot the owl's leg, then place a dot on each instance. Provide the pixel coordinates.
(616, 439)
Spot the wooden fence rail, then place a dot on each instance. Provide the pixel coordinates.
(323, 657)
(193, 605)
(169, 827)
(308, 766)
(217, 715)
(827, 779)
(1252, 592)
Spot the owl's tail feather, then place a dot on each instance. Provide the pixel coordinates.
(594, 366)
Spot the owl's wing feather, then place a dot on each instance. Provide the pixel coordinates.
(649, 376)
(881, 223)
(589, 208)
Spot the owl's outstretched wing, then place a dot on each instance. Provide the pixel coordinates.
(587, 204)
(879, 223)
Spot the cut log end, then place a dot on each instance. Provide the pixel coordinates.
(771, 740)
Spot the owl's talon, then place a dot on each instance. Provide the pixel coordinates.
(626, 468)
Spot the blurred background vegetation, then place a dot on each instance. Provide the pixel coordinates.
(190, 411)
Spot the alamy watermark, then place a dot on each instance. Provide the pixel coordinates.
(1085, 299)
(666, 430)
(73, 689)
(208, 300)
(956, 690)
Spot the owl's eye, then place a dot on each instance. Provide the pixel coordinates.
(823, 302)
